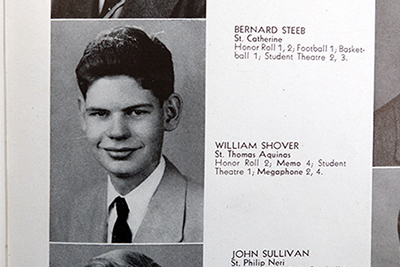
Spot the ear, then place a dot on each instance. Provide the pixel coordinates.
(82, 109)
(172, 108)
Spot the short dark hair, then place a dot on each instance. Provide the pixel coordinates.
(122, 258)
(127, 51)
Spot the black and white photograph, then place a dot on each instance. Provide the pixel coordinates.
(66, 255)
(127, 131)
(387, 80)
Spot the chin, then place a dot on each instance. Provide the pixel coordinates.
(123, 169)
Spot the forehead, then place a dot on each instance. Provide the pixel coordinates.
(116, 91)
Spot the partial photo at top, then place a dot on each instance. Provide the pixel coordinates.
(128, 9)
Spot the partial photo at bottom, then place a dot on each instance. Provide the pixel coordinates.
(385, 218)
(77, 255)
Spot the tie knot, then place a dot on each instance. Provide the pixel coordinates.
(122, 208)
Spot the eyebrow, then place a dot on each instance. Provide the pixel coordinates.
(124, 109)
(94, 109)
(137, 106)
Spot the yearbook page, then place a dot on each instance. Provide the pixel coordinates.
(202, 133)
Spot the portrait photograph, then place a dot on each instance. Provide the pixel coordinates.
(127, 131)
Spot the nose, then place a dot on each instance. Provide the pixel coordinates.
(119, 128)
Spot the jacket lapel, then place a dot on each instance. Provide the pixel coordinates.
(165, 217)
(163, 223)
(90, 216)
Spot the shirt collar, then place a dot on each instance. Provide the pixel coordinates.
(150, 183)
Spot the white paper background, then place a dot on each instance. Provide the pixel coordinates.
(2, 148)
(326, 107)
(27, 29)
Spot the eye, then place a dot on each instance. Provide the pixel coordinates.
(137, 112)
(99, 113)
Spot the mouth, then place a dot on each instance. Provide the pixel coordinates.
(119, 153)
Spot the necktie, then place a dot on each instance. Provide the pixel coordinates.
(108, 5)
(121, 232)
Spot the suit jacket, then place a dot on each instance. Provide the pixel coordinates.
(132, 9)
(175, 214)
(387, 134)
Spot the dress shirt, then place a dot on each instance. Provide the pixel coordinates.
(138, 200)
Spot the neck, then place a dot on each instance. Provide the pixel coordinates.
(124, 184)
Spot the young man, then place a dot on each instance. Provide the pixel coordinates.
(128, 102)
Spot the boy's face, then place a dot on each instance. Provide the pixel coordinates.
(124, 125)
